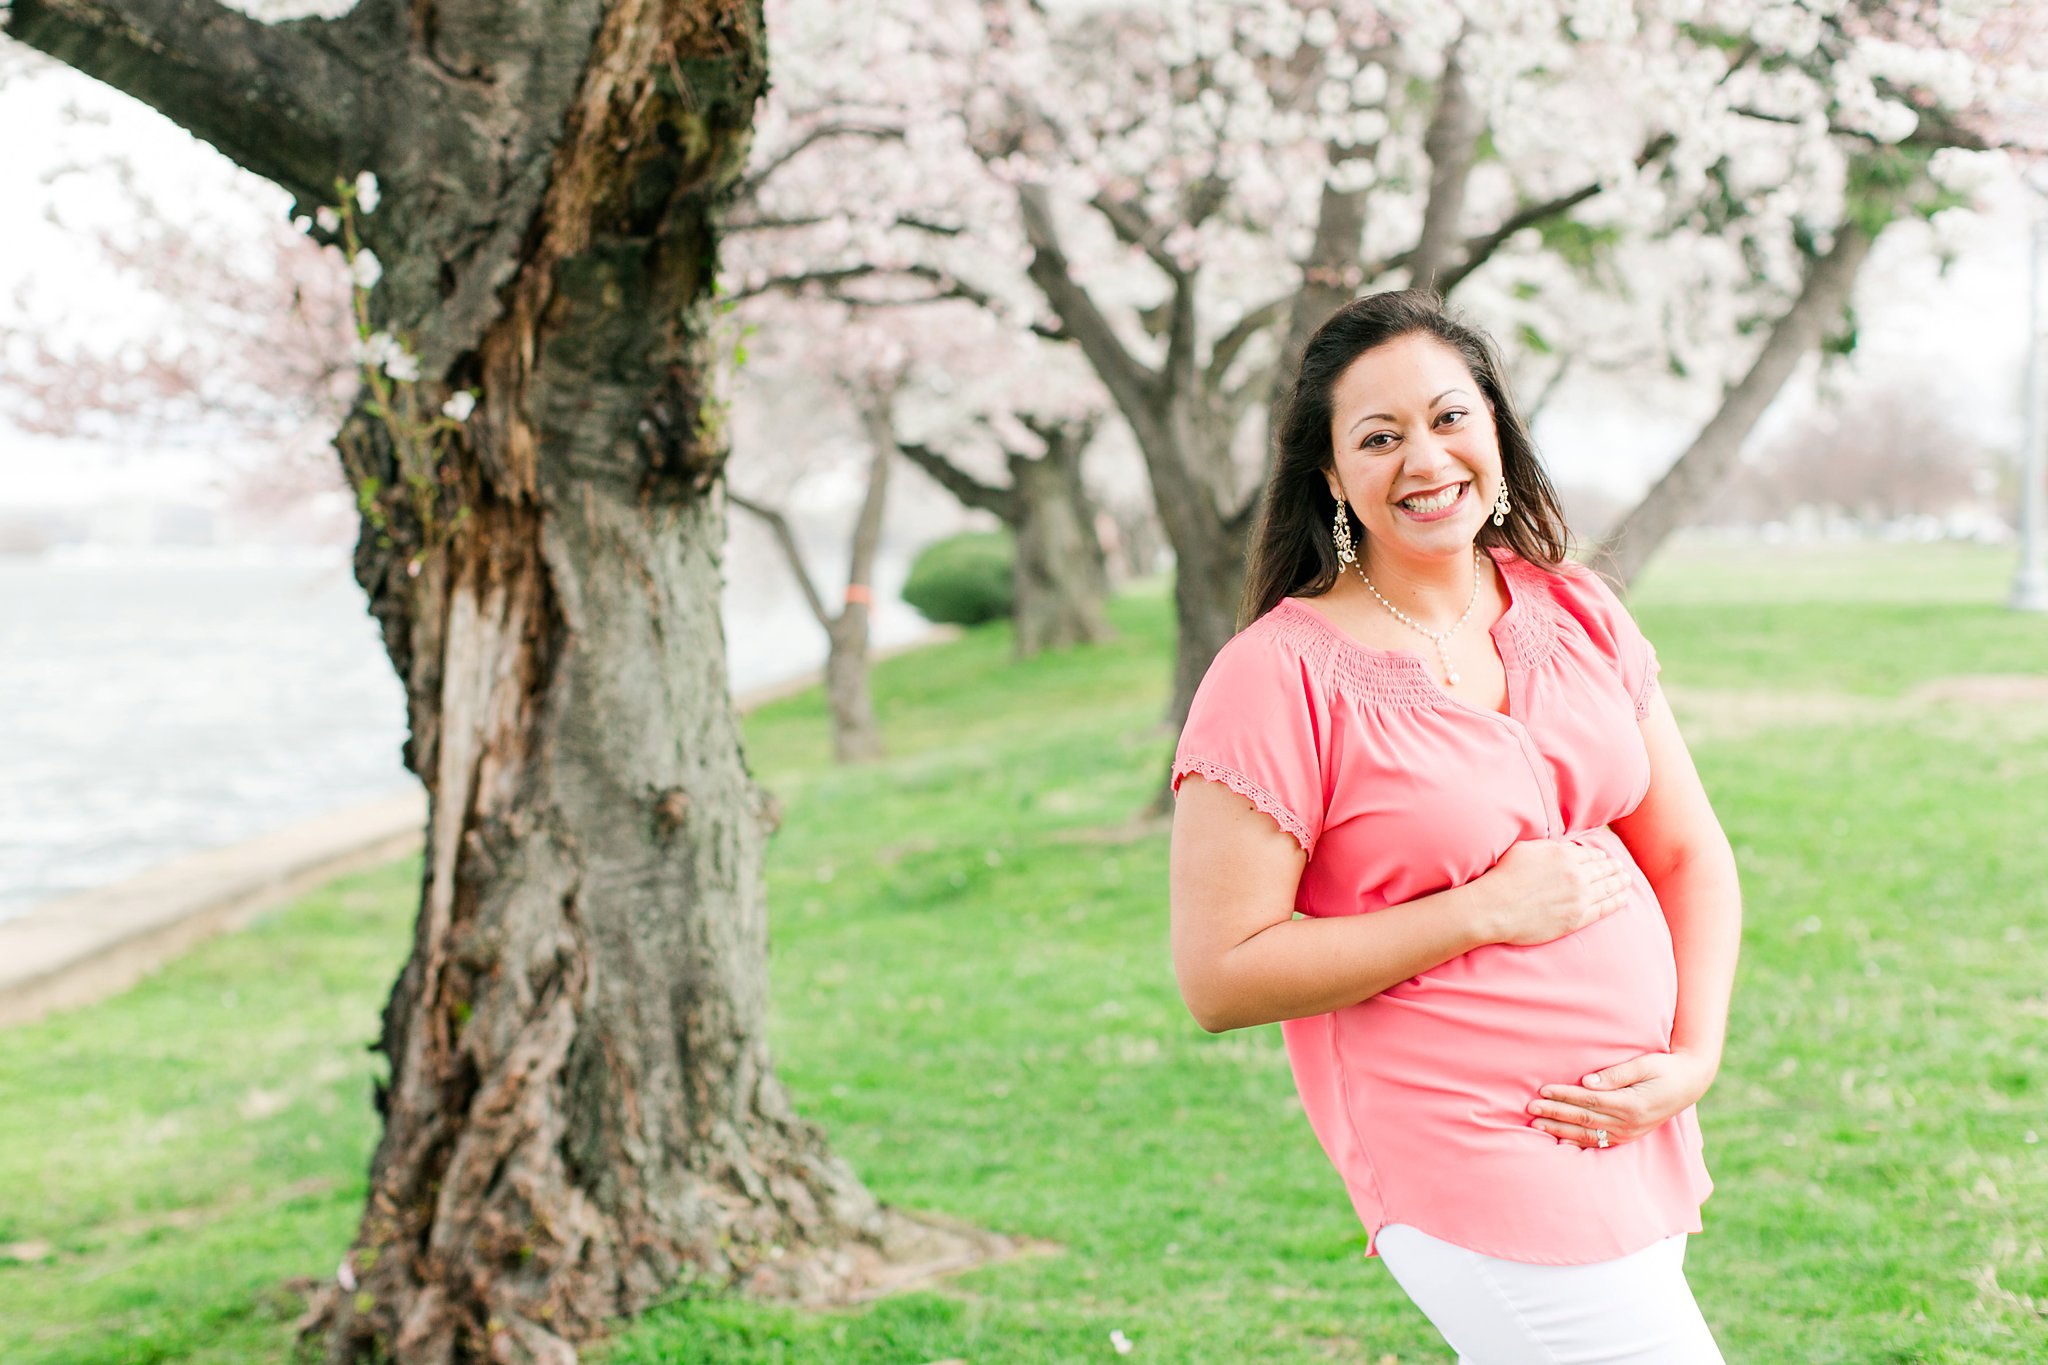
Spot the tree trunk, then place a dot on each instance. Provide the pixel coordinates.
(1685, 488)
(855, 736)
(1452, 145)
(1208, 582)
(1208, 550)
(1330, 278)
(580, 1107)
(1062, 577)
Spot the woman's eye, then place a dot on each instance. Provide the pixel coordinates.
(1450, 417)
(1379, 440)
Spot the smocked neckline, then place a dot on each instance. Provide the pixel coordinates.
(1524, 634)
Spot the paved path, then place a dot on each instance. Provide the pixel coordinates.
(90, 945)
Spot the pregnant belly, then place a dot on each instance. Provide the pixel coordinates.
(1483, 1030)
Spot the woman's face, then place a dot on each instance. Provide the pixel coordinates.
(1415, 451)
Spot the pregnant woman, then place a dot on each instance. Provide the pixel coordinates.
(1434, 814)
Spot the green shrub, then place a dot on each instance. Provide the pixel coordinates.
(964, 579)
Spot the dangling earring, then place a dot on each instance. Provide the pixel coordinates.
(1341, 533)
(1500, 505)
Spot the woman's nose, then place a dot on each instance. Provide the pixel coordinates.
(1427, 454)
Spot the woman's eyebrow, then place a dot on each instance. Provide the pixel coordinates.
(1388, 416)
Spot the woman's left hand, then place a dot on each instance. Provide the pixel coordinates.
(1626, 1101)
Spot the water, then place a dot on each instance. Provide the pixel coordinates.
(155, 704)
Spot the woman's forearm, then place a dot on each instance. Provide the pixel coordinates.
(1302, 967)
(1702, 901)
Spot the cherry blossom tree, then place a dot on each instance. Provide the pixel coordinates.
(1183, 191)
(863, 368)
(984, 392)
(1907, 109)
(241, 339)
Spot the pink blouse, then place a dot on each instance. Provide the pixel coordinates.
(1396, 789)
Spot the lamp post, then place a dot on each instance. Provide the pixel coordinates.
(2030, 583)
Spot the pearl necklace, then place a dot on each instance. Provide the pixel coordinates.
(1441, 637)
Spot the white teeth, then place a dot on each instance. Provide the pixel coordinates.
(1436, 502)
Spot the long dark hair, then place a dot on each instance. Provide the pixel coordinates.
(1291, 548)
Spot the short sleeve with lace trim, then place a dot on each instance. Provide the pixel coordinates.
(1258, 725)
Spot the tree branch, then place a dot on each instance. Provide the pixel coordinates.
(1532, 411)
(779, 524)
(784, 224)
(972, 492)
(946, 287)
(276, 99)
(792, 284)
(1224, 353)
(732, 225)
(1329, 277)
(1133, 383)
(1932, 130)
(927, 225)
(1181, 335)
(1133, 228)
(1063, 438)
(750, 185)
(876, 416)
(1479, 249)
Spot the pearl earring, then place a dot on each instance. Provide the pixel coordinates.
(1341, 534)
(1500, 505)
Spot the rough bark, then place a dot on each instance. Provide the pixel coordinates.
(1683, 491)
(580, 1108)
(1061, 574)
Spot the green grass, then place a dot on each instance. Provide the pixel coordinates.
(973, 998)
(170, 1158)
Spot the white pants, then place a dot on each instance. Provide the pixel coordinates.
(1637, 1310)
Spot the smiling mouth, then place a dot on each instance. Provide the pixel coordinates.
(1436, 501)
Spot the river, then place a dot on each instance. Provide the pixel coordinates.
(155, 703)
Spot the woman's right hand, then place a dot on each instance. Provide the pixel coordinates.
(1543, 889)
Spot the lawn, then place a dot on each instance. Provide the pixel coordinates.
(973, 998)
